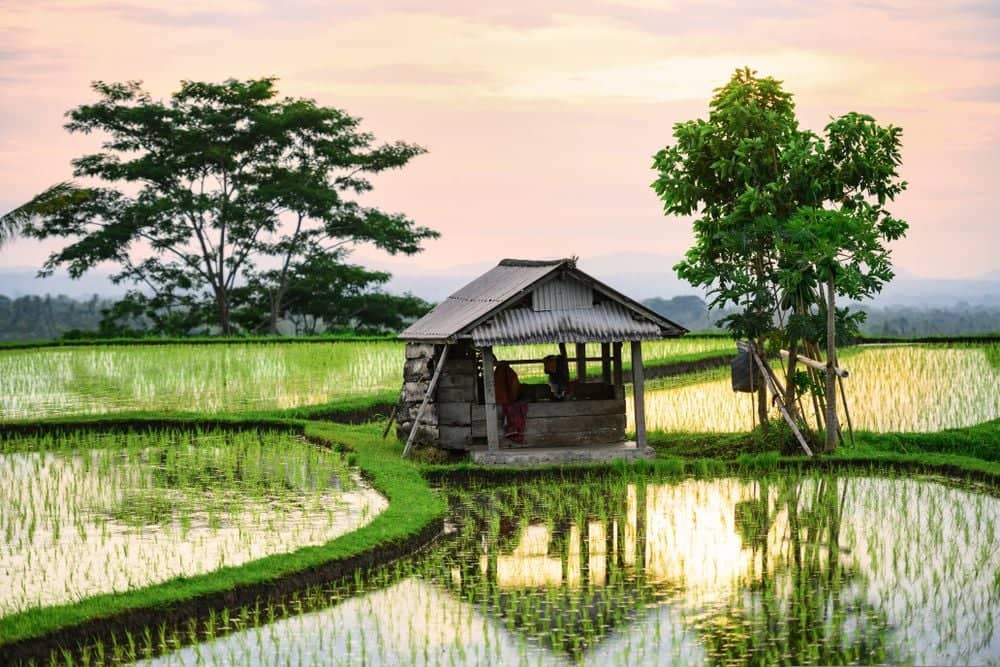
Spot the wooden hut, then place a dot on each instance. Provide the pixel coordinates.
(450, 392)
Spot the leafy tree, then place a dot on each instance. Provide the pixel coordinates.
(782, 211)
(325, 293)
(733, 169)
(224, 182)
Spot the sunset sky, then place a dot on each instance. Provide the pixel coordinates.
(540, 118)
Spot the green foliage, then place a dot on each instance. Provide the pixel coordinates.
(782, 211)
(763, 190)
(232, 187)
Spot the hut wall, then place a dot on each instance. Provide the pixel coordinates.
(549, 424)
(417, 372)
(455, 391)
(456, 394)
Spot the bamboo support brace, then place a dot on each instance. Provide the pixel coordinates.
(781, 405)
(818, 365)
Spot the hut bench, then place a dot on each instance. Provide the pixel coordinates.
(452, 405)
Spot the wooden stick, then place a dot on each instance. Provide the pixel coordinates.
(427, 397)
(847, 413)
(392, 418)
(638, 395)
(780, 402)
(818, 365)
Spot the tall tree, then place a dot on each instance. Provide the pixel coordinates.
(841, 246)
(788, 219)
(730, 169)
(224, 182)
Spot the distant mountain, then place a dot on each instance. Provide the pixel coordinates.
(639, 275)
(23, 281)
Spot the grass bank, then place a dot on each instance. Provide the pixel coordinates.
(413, 517)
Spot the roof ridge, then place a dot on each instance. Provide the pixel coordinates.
(537, 262)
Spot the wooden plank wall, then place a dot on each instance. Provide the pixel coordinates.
(549, 424)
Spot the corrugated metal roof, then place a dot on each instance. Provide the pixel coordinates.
(479, 298)
(604, 323)
(503, 287)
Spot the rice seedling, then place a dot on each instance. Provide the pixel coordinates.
(49, 382)
(88, 513)
(891, 388)
(207, 378)
(805, 569)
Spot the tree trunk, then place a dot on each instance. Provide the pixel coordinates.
(273, 320)
(831, 363)
(762, 407)
(222, 303)
(790, 389)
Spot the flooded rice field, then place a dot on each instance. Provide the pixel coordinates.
(234, 377)
(80, 515)
(787, 569)
(48, 382)
(890, 388)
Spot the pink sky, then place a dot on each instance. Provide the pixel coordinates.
(541, 118)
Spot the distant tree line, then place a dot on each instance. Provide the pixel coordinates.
(355, 306)
(692, 313)
(38, 317)
(338, 307)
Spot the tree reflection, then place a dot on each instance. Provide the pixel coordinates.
(567, 566)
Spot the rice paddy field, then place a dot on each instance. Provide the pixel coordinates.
(85, 514)
(238, 377)
(784, 569)
(896, 388)
(663, 563)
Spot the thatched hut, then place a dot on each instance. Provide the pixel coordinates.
(457, 395)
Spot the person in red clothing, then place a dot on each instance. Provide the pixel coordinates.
(515, 413)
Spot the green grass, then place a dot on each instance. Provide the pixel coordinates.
(413, 507)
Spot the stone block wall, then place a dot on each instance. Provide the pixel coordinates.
(417, 372)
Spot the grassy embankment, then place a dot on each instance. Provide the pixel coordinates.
(413, 517)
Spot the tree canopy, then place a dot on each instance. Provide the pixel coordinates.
(223, 186)
(781, 211)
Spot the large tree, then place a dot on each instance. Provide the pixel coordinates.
(224, 185)
(779, 210)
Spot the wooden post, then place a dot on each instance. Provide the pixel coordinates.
(427, 397)
(581, 361)
(847, 413)
(606, 363)
(638, 395)
(617, 380)
(490, 394)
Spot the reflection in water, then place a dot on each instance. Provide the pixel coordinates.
(795, 570)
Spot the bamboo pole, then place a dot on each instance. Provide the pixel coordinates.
(818, 365)
(847, 413)
(781, 403)
(392, 418)
(427, 397)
